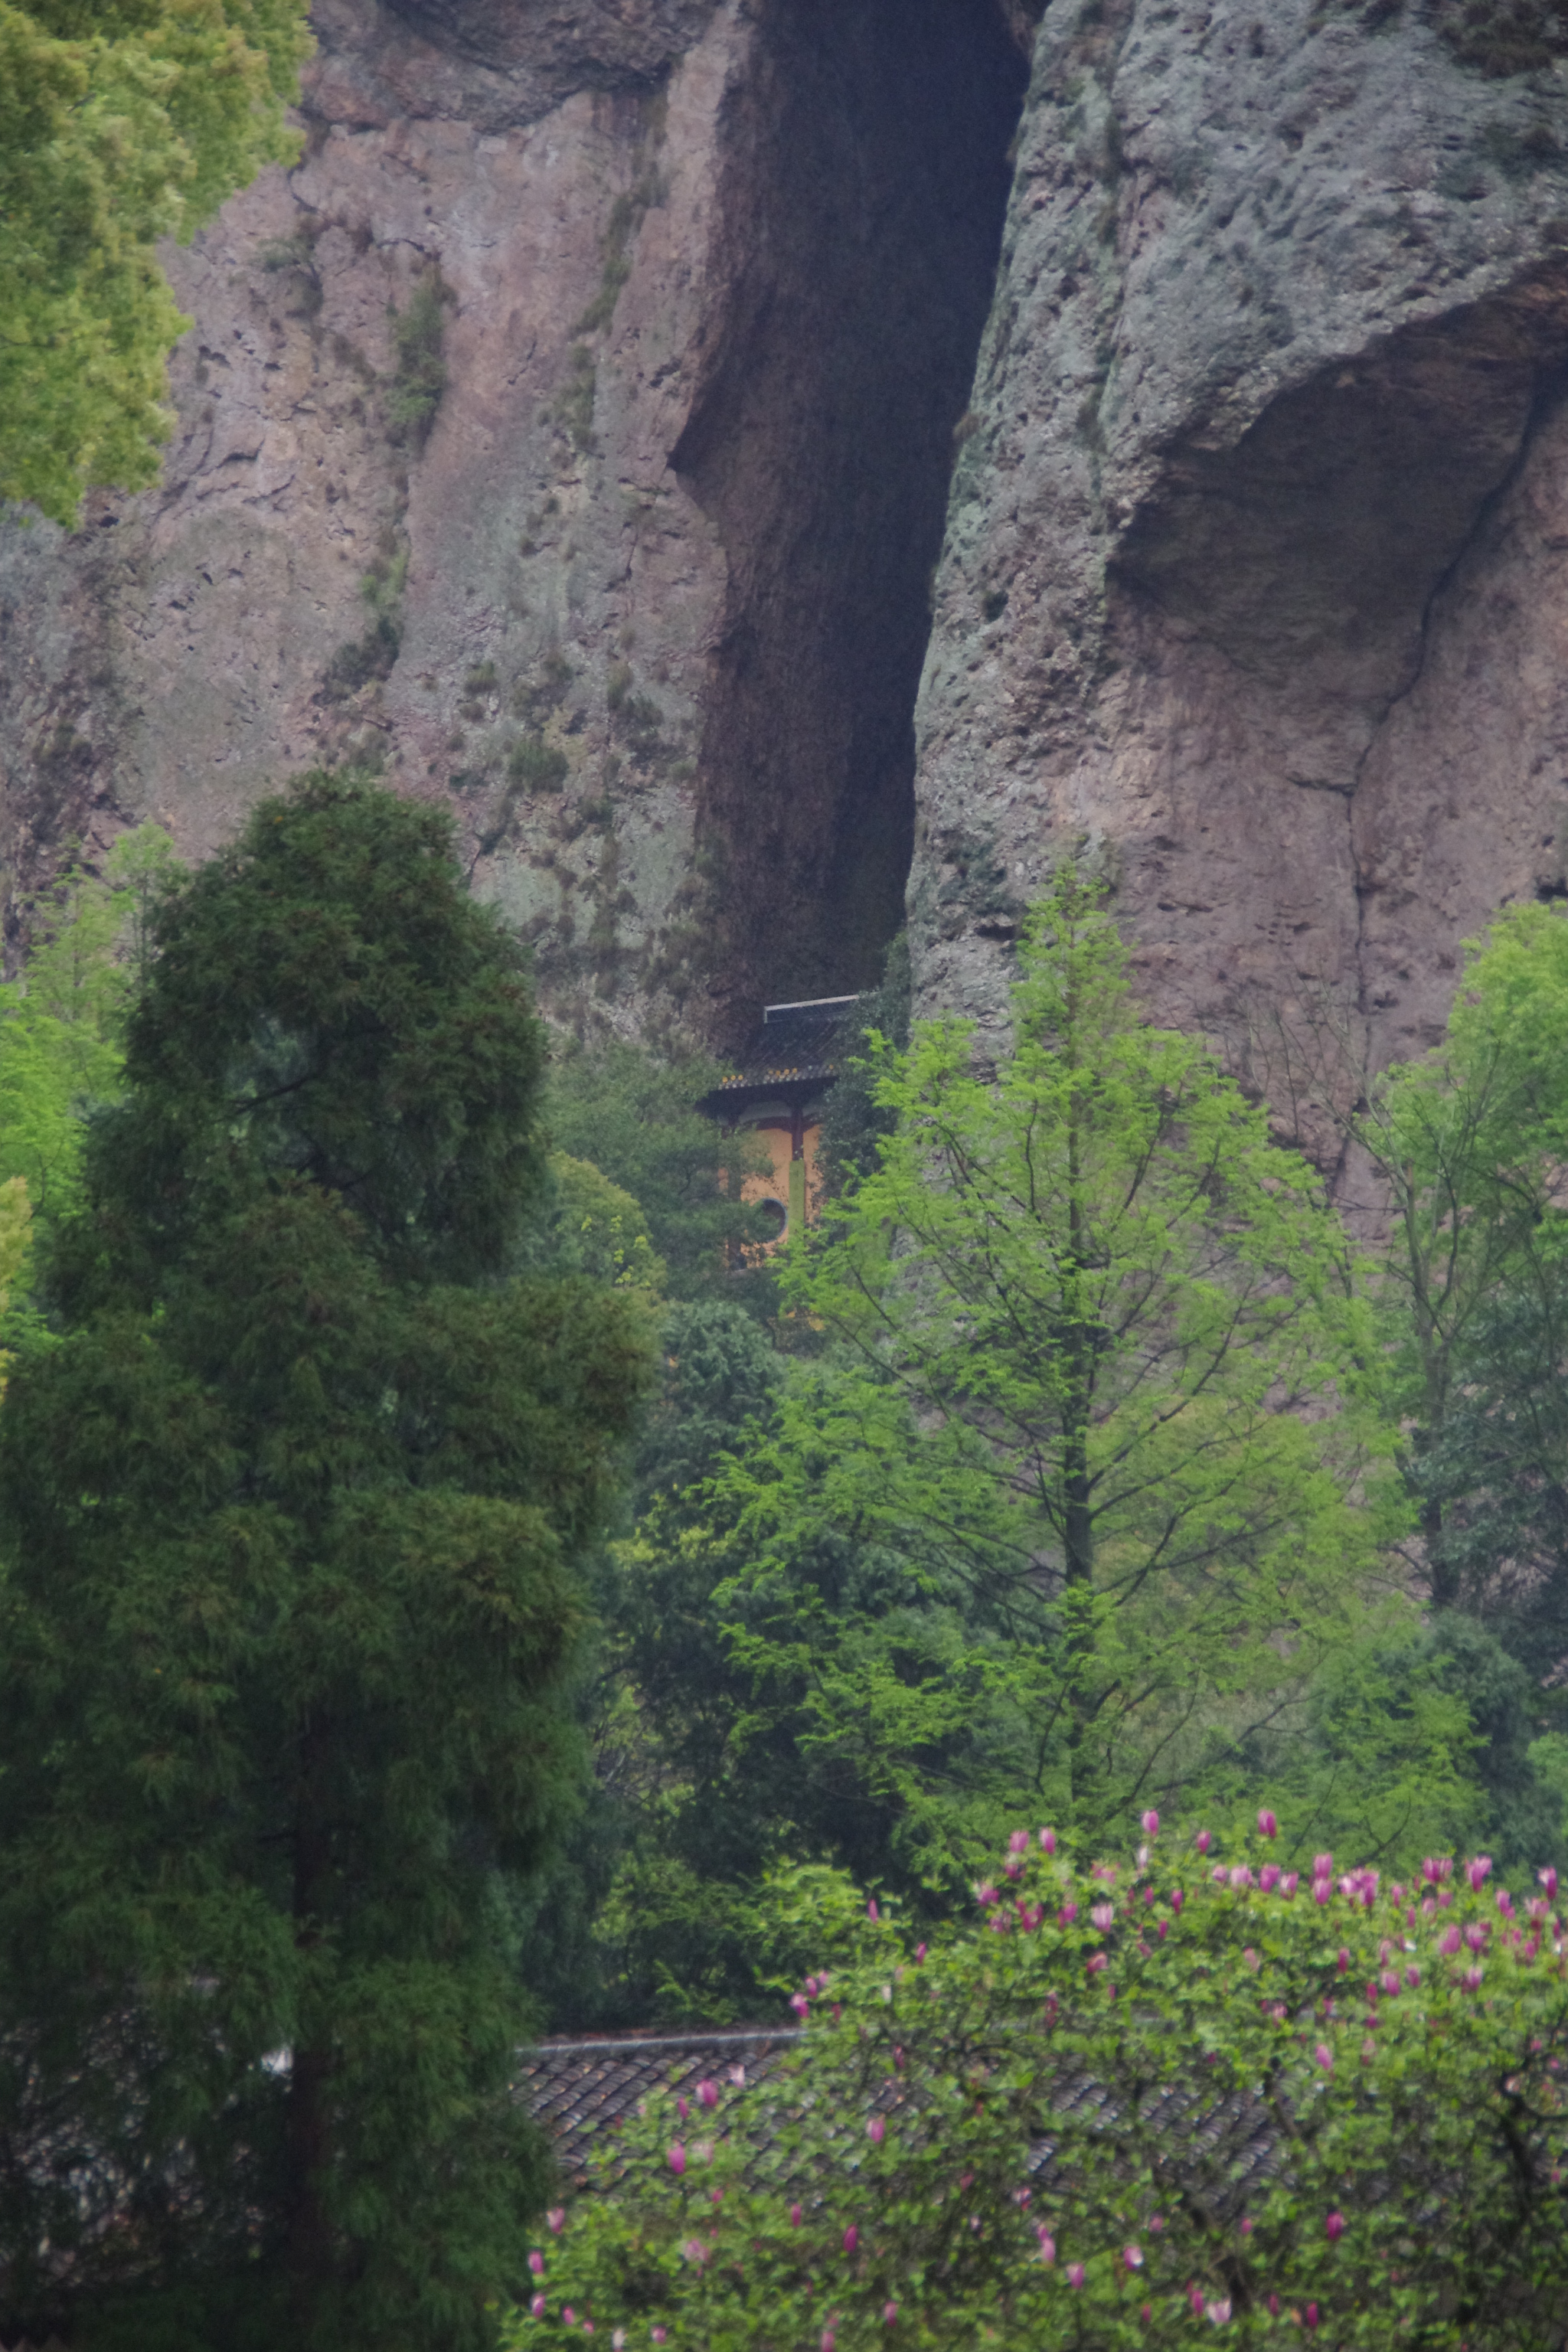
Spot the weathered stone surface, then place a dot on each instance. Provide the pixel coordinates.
(649, 605)
(1254, 571)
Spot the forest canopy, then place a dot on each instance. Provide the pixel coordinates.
(451, 1590)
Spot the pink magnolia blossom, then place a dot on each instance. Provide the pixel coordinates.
(1412, 1975)
(536, 2264)
(1019, 1841)
(1203, 1840)
(556, 2218)
(919, 1954)
(1449, 1940)
(709, 2094)
(828, 2339)
(1067, 1914)
(1196, 2298)
(538, 2306)
(675, 2156)
(1048, 2245)
(1218, 1874)
(1322, 1888)
(1267, 1826)
(738, 2076)
(1311, 2315)
(1325, 2057)
(1476, 1935)
(851, 2239)
(1390, 1982)
(796, 2216)
(1269, 1877)
(1151, 1824)
(1471, 1980)
(1240, 1877)
(1097, 1960)
(1289, 1883)
(1548, 1878)
(1478, 1871)
(1219, 2312)
(1323, 1865)
(1334, 2227)
(1341, 1959)
(876, 2131)
(1012, 1867)
(1273, 2306)
(1102, 1914)
(986, 1895)
(871, 1911)
(1047, 1840)
(568, 2315)
(1505, 1902)
(890, 2312)
(683, 2108)
(799, 2003)
(660, 2334)
(1075, 2274)
(1246, 2225)
(1134, 2257)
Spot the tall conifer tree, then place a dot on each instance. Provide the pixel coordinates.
(290, 1507)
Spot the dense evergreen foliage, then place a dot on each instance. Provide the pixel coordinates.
(292, 1499)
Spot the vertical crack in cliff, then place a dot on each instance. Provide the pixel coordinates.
(865, 185)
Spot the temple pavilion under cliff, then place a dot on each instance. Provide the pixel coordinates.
(777, 1087)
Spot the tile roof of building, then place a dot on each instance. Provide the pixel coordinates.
(582, 2088)
(794, 1042)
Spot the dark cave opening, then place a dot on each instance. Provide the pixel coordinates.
(867, 173)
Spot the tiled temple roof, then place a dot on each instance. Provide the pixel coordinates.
(796, 1043)
(580, 2089)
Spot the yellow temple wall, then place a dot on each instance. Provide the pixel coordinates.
(774, 1183)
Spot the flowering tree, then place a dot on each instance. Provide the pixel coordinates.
(1173, 2101)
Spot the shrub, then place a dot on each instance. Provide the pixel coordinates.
(419, 379)
(537, 766)
(1171, 2102)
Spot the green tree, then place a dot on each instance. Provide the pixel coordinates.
(61, 1024)
(853, 1121)
(643, 1917)
(1087, 1319)
(629, 1110)
(121, 121)
(1467, 1146)
(293, 1508)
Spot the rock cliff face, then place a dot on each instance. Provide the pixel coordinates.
(1256, 568)
(645, 595)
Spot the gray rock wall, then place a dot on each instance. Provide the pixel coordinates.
(648, 606)
(1253, 576)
